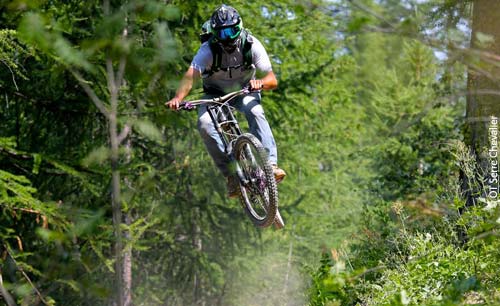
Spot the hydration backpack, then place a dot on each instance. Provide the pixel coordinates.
(245, 47)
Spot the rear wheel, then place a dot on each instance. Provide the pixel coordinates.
(259, 194)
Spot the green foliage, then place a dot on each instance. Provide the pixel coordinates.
(408, 250)
(21, 215)
(431, 267)
(11, 52)
(405, 266)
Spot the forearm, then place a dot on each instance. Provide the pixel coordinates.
(184, 88)
(269, 81)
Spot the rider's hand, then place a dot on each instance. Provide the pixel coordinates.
(256, 85)
(173, 103)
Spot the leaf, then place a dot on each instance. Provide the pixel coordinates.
(32, 29)
(484, 40)
(148, 129)
(357, 23)
(96, 157)
(68, 54)
(7, 142)
(165, 51)
(49, 235)
(71, 283)
(37, 160)
(170, 12)
(87, 223)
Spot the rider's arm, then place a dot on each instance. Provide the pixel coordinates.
(263, 65)
(189, 78)
(268, 82)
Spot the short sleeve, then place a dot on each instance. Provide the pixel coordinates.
(202, 61)
(260, 57)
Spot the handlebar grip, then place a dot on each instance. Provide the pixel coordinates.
(185, 105)
(248, 88)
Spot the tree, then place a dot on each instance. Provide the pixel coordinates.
(483, 109)
(88, 54)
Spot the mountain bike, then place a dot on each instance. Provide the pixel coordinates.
(258, 188)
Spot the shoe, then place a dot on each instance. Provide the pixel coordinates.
(233, 187)
(279, 174)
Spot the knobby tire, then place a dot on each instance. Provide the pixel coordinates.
(259, 199)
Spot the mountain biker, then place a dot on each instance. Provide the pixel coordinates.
(226, 47)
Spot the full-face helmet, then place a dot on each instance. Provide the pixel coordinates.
(226, 26)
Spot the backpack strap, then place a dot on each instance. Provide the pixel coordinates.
(216, 55)
(247, 42)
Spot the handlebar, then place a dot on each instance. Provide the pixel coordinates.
(190, 105)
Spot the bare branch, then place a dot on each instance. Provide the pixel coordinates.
(111, 77)
(26, 276)
(368, 271)
(45, 221)
(486, 234)
(371, 12)
(91, 93)
(123, 60)
(124, 133)
(3, 292)
(12, 73)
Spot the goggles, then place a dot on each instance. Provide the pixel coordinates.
(229, 33)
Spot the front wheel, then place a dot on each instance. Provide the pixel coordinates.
(259, 194)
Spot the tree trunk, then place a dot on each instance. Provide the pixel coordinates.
(127, 252)
(123, 267)
(127, 264)
(116, 198)
(483, 100)
(123, 256)
(484, 75)
(198, 247)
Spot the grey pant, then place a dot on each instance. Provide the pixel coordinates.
(257, 122)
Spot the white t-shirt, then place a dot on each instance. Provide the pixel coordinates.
(227, 80)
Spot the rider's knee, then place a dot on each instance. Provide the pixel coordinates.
(257, 111)
(205, 125)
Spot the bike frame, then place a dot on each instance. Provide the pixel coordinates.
(224, 122)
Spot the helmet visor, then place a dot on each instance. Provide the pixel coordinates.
(229, 33)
